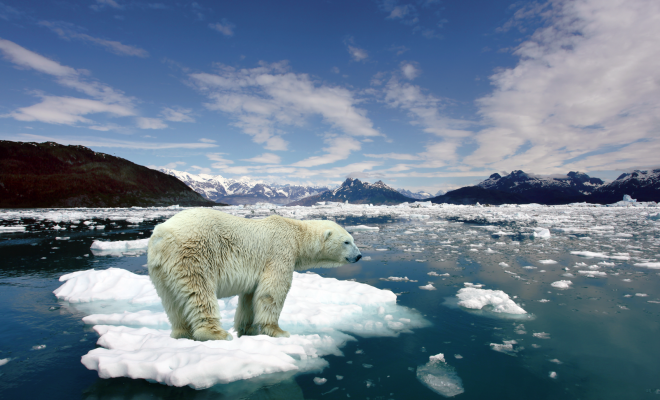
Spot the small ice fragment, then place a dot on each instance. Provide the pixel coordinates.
(369, 383)
(361, 351)
(339, 377)
(381, 249)
(541, 233)
(547, 261)
(4, 361)
(441, 378)
(504, 265)
(367, 365)
(505, 347)
(320, 381)
(541, 335)
(458, 356)
(39, 347)
(473, 285)
(428, 287)
(651, 265)
(433, 273)
(626, 280)
(359, 228)
(641, 294)
(397, 279)
(478, 298)
(330, 391)
(544, 301)
(420, 260)
(553, 375)
(529, 267)
(556, 361)
(561, 284)
(366, 258)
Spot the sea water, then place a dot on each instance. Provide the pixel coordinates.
(490, 302)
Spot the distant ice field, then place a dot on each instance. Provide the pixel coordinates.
(525, 299)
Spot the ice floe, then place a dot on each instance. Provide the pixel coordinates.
(119, 247)
(440, 377)
(562, 284)
(491, 300)
(320, 313)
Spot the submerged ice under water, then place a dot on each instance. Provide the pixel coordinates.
(532, 301)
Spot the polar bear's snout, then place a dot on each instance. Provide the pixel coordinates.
(354, 259)
(354, 255)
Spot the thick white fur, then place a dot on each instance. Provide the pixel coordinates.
(200, 255)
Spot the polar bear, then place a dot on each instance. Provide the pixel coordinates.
(200, 255)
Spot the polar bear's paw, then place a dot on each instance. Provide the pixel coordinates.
(204, 334)
(274, 331)
(181, 334)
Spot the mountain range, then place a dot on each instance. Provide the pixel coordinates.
(355, 191)
(53, 175)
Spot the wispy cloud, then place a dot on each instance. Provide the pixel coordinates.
(220, 161)
(356, 53)
(410, 70)
(177, 114)
(150, 123)
(68, 31)
(225, 27)
(8, 12)
(101, 4)
(395, 156)
(266, 100)
(339, 148)
(583, 94)
(266, 158)
(68, 110)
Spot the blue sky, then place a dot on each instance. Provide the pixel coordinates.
(423, 94)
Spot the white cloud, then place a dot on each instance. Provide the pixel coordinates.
(266, 158)
(339, 148)
(264, 101)
(150, 123)
(177, 115)
(584, 91)
(406, 13)
(28, 59)
(173, 165)
(424, 110)
(69, 31)
(67, 110)
(105, 142)
(357, 53)
(220, 161)
(409, 70)
(204, 140)
(395, 156)
(101, 4)
(225, 27)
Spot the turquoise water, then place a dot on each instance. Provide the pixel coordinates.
(600, 336)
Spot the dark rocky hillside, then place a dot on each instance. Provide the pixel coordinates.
(643, 185)
(357, 192)
(475, 194)
(53, 175)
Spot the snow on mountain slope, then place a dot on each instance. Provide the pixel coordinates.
(421, 195)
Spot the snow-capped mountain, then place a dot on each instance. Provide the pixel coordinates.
(421, 195)
(357, 192)
(643, 185)
(243, 190)
(545, 190)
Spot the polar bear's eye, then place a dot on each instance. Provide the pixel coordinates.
(347, 242)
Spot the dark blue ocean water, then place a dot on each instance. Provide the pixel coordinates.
(600, 343)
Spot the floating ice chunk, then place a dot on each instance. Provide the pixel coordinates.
(397, 279)
(529, 267)
(641, 294)
(110, 284)
(562, 284)
(118, 247)
(544, 301)
(504, 265)
(556, 361)
(39, 347)
(541, 335)
(316, 313)
(4, 361)
(382, 249)
(553, 375)
(440, 377)
(470, 284)
(505, 347)
(589, 254)
(547, 261)
(13, 228)
(428, 287)
(62, 238)
(319, 380)
(359, 228)
(541, 233)
(593, 274)
(651, 265)
(479, 298)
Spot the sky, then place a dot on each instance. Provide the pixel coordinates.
(424, 95)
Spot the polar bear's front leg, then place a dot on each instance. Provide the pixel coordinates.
(268, 301)
(244, 317)
(203, 315)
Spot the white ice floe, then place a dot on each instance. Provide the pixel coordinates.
(119, 247)
(547, 262)
(319, 380)
(440, 377)
(561, 284)
(589, 254)
(359, 228)
(433, 273)
(505, 347)
(541, 335)
(4, 361)
(553, 375)
(12, 228)
(397, 279)
(541, 233)
(428, 287)
(494, 300)
(651, 265)
(593, 274)
(320, 313)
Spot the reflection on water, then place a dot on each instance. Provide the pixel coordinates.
(594, 340)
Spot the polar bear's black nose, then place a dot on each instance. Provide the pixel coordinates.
(358, 257)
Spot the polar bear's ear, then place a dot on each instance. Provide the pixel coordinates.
(327, 234)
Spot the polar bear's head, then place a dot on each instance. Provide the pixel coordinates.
(333, 247)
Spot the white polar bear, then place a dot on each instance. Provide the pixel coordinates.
(200, 255)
